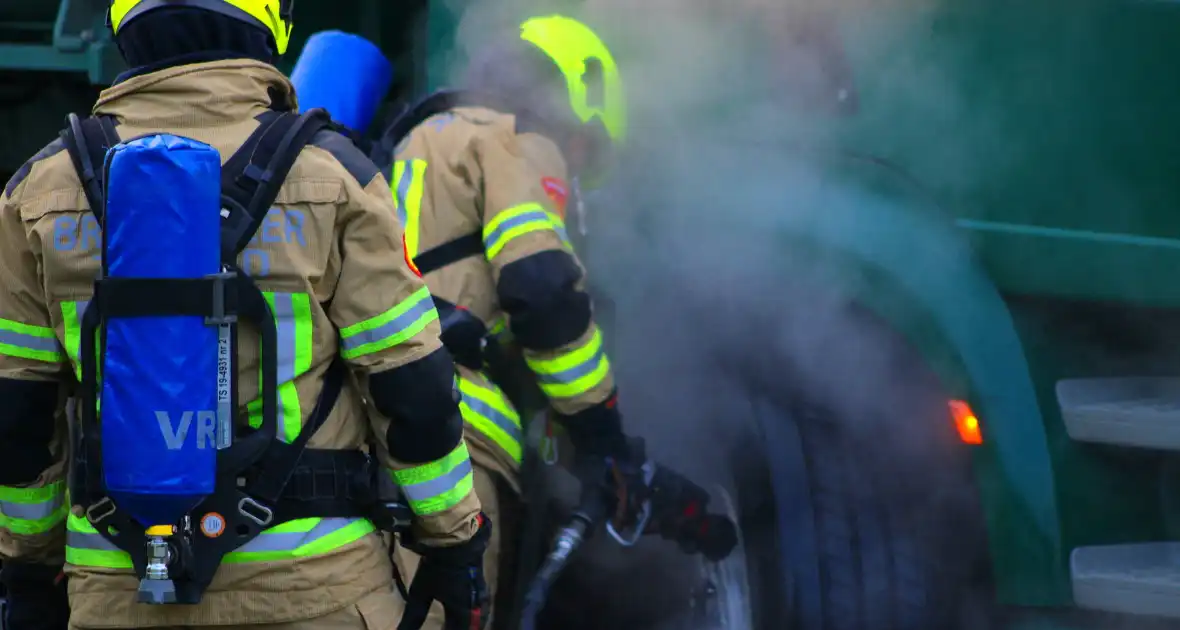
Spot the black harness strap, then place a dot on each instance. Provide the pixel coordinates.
(280, 461)
(251, 178)
(123, 297)
(450, 252)
(88, 142)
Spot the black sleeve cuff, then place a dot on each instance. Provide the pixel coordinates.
(545, 308)
(26, 429)
(597, 430)
(422, 404)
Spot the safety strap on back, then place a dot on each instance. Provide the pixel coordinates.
(251, 178)
(449, 252)
(87, 141)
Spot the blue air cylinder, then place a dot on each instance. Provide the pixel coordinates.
(343, 73)
(159, 374)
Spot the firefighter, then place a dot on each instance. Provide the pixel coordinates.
(482, 180)
(346, 321)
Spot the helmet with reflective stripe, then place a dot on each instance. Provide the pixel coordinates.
(595, 88)
(272, 15)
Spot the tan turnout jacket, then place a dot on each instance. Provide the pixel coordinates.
(331, 253)
(470, 170)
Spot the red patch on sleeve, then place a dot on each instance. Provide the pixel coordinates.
(409, 261)
(558, 191)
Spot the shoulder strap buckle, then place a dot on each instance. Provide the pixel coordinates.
(221, 316)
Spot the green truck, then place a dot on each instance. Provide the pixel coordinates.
(992, 218)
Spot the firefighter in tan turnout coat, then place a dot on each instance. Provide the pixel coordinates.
(203, 69)
(482, 184)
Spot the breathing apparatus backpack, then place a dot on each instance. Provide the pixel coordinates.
(158, 360)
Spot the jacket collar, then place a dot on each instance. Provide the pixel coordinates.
(201, 94)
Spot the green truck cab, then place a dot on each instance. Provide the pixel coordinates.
(1000, 182)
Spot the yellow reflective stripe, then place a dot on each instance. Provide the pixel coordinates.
(409, 185)
(71, 313)
(488, 410)
(293, 325)
(559, 226)
(86, 547)
(31, 511)
(73, 335)
(26, 341)
(439, 485)
(390, 328)
(299, 538)
(575, 372)
(499, 327)
(513, 222)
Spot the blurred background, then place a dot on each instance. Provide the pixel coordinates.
(896, 277)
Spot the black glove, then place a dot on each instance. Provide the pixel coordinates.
(620, 484)
(628, 486)
(36, 597)
(597, 432)
(614, 486)
(679, 514)
(452, 576)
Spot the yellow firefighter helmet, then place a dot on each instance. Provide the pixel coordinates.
(595, 88)
(273, 15)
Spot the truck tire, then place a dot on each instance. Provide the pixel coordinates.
(856, 494)
(850, 554)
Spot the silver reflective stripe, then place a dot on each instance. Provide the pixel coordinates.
(532, 216)
(566, 377)
(32, 511)
(403, 189)
(390, 328)
(491, 413)
(286, 541)
(30, 342)
(96, 542)
(284, 314)
(290, 541)
(435, 487)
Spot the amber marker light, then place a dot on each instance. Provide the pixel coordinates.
(966, 422)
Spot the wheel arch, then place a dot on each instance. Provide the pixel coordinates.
(912, 270)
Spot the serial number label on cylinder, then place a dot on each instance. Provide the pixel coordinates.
(224, 413)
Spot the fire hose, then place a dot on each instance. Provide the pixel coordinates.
(673, 507)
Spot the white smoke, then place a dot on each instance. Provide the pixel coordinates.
(741, 116)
